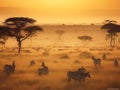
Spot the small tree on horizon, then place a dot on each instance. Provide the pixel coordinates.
(22, 28)
(85, 39)
(60, 33)
(112, 29)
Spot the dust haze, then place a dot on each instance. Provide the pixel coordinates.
(61, 53)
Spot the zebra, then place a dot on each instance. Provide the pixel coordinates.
(96, 61)
(43, 65)
(77, 76)
(116, 63)
(2, 43)
(43, 70)
(104, 56)
(8, 69)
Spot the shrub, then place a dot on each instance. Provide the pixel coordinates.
(64, 56)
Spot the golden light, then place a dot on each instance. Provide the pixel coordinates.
(63, 10)
(82, 4)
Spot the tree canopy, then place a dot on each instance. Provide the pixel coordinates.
(85, 39)
(22, 28)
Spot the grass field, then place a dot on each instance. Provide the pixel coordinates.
(26, 76)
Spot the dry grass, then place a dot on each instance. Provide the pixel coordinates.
(26, 77)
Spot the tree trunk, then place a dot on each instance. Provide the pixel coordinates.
(112, 42)
(19, 46)
(83, 44)
(59, 36)
(4, 44)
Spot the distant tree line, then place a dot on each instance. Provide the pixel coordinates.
(22, 28)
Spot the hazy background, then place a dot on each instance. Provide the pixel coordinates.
(79, 12)
(49, 37)
(62, 11)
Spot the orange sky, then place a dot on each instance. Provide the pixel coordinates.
(62, 11)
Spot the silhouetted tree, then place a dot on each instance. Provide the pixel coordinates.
(85, 39)
(109, 21)
(60, 33)
(21, 28)
(112, 38)
(112, 29)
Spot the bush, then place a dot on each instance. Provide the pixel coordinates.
(77, 62)
(64, 56)
(26, 51)
(45, 53)
(85, 55)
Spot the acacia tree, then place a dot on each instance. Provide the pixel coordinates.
(112, 38)
(109, 21)
(85, 39)
(112, 29)
(21, 28)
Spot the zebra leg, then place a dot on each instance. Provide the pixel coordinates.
(7, 74)
(80, 80)
(95, 64)
(100, 64)
(83, 79)
(69, 79)
(74, 81)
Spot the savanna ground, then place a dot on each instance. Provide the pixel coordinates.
(59, 62)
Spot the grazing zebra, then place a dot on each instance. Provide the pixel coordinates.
(8, 69)
(77, 76)
(96, 61)
(43, 70)
(104, 56)
(43, 65)
(2, 43)
(116, 63)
